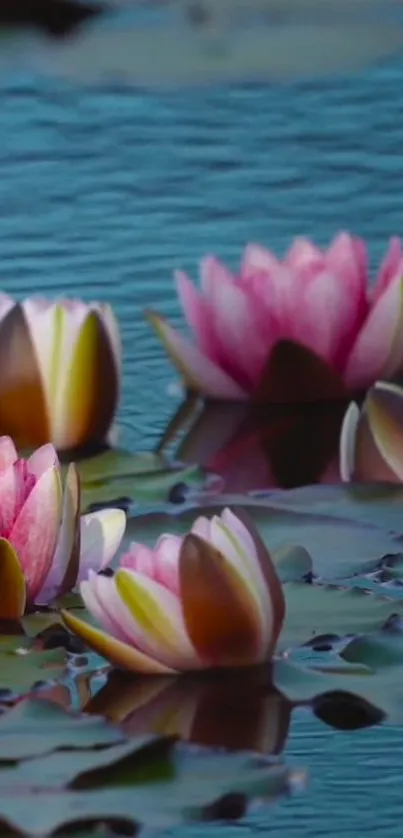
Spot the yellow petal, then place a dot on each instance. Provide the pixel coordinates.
(23, 409)
(12, 583)
(89, 400)
(220, 614)
(117, 653)
(384, 408)
(70, 531)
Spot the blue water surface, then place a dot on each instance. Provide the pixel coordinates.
(105, 192)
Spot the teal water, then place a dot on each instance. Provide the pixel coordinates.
(105, 192)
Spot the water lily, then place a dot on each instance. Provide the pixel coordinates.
(62, 358)
(45, 547)
(371, 442)
(211, 599)
(319, 299)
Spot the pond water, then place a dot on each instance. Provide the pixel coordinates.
(105, 192)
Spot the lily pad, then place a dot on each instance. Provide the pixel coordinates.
(147, 782)
(117, 475)
(34, 727)
(370, 669)
(339, 546)
(313, 610)
(22, 667)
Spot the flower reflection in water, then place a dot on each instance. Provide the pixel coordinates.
(238, 710)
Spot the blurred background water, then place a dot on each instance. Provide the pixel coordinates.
(105, 191)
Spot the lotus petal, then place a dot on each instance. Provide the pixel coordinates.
(12, 583)
(21, 384)
(64, 570)
(198, 372)
(117, 653)
(384, 406)
(35, 531)
(157, 620)
(221, 616)
(8, 452)
(101, 536)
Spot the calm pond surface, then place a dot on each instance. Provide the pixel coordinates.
(104, 193)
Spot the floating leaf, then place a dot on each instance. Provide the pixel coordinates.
(141, 782)
(116, 476)
(369, 671)
(37, 727)
(22, 668)
(313, 610)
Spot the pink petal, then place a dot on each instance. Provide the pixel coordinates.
(199, 317)
(166, 556)
(303, 254)
(43, 458)
(392, 264)
(258, 259)
(378, 344)
(8, 453)
(139, 557)
(10, 480)
(198, 372)
(35, 532)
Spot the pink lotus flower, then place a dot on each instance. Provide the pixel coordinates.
(211, 599)
(371, 441)
(317, 298)
(44, 545)
(63, 358)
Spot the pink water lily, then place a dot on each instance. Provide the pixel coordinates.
(210, 599)
(317, 298)
(45, 547)
(63, 359)
(371, 442)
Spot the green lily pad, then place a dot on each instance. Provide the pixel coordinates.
(147, 781)
(144, 477)
(339, 546)
(370, 668)
(313, 610)
(22, 669)
(370, 503)
(34, 727)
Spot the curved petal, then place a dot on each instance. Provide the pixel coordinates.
(384, 406)
(157, 621)
(35, 531)
(368, 463)
(348, 441)
(197, 371)
(391, 265)
(101, 536)
(117, 653)
(65, 565)
(268, 569)
(12, 583)
(139, 557)
(88, 402)
(11, 484)
(198, 314)
(21, 384)
(221, 616)
(378, 350)
(43, 458)
(112, 327)
(257, 259)
(241, 553)
(8, 452)
(167, 562)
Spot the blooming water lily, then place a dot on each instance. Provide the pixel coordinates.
(63, 359)
(210, 599)
(45, 548)
(319, 299)
(371, 442)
